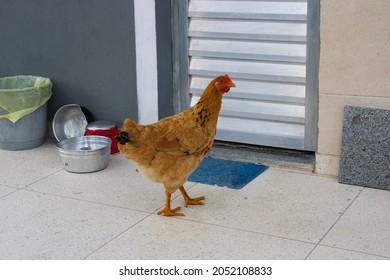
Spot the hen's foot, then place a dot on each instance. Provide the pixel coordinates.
(190, 201)
(170, 212)
(193, 201)
(167, 211)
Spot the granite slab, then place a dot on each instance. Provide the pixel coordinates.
(365, 148)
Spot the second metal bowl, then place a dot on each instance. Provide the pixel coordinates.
(85, 153)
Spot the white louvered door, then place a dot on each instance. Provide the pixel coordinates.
(262, 45)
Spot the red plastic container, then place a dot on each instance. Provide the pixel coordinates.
(104, 128)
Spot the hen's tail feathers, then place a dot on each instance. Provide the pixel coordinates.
(122, 137)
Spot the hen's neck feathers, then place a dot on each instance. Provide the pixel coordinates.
(207, 109)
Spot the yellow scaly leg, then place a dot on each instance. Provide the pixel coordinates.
(167, 211)
(190, 201)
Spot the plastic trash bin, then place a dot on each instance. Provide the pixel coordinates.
(23, 111)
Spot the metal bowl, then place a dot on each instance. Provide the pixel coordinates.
(85, 153)
(69, 121)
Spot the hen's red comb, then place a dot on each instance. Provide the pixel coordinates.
(228, 78)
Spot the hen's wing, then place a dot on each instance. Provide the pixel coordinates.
(187, 140)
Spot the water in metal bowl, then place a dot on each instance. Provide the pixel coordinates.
(85, 153)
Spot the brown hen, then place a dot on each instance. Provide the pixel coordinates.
(169, 150)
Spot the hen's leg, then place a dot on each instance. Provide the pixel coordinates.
(167, 211)
(188, 200)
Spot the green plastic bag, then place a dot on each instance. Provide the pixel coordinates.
(22, 95)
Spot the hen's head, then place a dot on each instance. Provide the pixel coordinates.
(223, 83)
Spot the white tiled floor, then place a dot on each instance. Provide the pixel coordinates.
(48, 213)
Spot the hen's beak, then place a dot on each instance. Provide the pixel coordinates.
(231, 84)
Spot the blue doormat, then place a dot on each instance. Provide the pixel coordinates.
(226, 173)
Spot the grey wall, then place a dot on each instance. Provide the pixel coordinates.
(87, 48)
(164, 57)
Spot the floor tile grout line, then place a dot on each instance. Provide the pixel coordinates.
(118, 235)
(302, 172)
(31, 183)
(89, 201)
(100, 203)
(248, 231)
(355, 251)
(42, 178)
(12, 192)
(222, 226)
(333, 225)
(204, 223)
